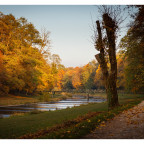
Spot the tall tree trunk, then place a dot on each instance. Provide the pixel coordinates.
(110, 30)
(109, 78)
(101, 57)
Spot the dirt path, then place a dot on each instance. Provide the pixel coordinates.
(127, 125)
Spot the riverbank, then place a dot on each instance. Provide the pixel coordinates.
(19, 105)
(33, 123)
(9, 100)
(13, 100)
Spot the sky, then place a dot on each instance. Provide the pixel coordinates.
(70, 28)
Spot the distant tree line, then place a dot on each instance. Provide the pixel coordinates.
(27, 65)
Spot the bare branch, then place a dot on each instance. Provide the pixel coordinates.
(45, 46)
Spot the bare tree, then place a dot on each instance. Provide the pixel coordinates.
(111, 18)
(45, 45)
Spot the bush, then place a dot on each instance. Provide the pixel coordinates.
(44, 97)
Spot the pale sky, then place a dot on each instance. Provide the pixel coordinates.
(70, 27)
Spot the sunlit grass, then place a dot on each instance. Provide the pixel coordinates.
(16, 100)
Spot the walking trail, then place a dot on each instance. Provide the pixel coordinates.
(127, 125)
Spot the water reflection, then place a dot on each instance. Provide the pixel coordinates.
(45, 106)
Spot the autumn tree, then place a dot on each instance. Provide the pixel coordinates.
(60, 76)
(88, 74)
(3, 78)
(132, 46)
(121, 64)
(67, 79)
(98, 79)
(25, 57)
(107, 47)
(76, 81)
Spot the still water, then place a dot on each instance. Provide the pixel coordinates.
(6, 111)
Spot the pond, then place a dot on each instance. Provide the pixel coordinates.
(6, 111)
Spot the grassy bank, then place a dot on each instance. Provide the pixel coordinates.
(16, 100)
(79, 130)
(22, 99)
(17, 126)
(43, 97)
(96, 95)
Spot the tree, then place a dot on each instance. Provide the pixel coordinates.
(23, 56)
(80, 77)
(98, 79)
(60, 76)
(121, 63)
(87, 75)
(132, 46)
(3, 78)
(45, 45)
(108, 53)
(76, 81)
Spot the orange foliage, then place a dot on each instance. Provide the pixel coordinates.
(1, 61)
(76, 82)
(60, 75)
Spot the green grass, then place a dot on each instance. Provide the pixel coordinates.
(17, 126)
(85, 127)
(126, 98)
(98, 95)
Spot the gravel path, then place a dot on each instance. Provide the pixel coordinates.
(127, 125)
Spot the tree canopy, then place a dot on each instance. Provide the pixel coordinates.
(132, 46)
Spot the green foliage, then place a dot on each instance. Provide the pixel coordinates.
(67, 82)
(44, 97)
(87, 75)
